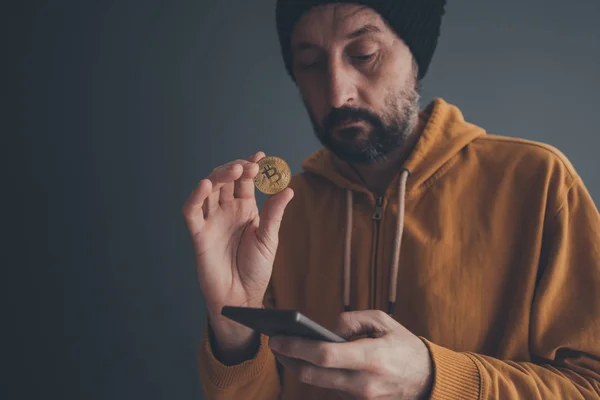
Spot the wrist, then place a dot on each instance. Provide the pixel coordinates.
(214, 309)
(426, 388)
(232, 343)
(425, 385)
(222, 324)
(228, 333)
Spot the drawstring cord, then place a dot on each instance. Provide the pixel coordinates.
(398, 240)
(397, 244)
(347, 247)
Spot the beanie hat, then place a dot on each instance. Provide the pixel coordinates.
(416, 22)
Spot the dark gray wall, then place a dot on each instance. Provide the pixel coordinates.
(123, 106)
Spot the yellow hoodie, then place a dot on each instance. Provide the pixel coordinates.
(497, 269)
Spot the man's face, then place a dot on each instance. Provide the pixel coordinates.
(357, 80)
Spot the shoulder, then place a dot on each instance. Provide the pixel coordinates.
(536, 168)
(525, 154)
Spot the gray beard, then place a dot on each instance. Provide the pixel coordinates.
(387, 133)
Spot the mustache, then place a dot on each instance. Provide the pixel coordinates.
(338, 116)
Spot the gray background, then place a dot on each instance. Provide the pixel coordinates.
(123, 106)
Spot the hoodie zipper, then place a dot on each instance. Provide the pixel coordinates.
(376, 221)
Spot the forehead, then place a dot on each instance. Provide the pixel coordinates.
(333, 22)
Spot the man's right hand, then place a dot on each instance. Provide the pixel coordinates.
(234, 245)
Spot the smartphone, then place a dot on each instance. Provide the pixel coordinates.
(272, 322)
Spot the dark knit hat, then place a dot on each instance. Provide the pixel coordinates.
(417, 22)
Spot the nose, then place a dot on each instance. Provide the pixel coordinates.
(342, 90)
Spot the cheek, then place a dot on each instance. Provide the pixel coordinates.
(314, 97)
(394, 68)
(389, 84)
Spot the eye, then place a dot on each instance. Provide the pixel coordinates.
(365, 58)
(309, 65)
(308, 61)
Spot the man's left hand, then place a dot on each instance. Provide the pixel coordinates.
(391, 363)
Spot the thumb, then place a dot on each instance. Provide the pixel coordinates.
(271, 216)
(367, 323)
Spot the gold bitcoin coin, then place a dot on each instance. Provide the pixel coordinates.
(273, 176)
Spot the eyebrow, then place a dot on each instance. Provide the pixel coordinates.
(363, 31)
(367, 29)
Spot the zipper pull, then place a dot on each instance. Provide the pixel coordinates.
(378, 208)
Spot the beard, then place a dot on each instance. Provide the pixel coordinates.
(375, 137)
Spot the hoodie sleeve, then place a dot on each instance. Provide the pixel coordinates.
(256, 378)
(564, 326)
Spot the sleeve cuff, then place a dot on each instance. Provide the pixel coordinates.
(456, 376)
(224, 376)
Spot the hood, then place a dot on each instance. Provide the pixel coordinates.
(445, 134)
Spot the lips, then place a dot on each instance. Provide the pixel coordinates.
(348, 130)
(348, 123)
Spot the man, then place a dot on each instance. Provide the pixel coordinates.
(459, 264)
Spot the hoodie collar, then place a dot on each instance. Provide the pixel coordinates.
(445, 134)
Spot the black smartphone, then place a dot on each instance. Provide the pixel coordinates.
(272, 322)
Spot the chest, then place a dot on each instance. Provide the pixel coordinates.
(466, 269)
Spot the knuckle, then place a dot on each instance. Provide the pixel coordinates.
(187, 212)
(381, 316)
(326, 358)
(305, 374)
(376, 366)
(217, 170)
(345, 318)
(243, 163)
(369, 392)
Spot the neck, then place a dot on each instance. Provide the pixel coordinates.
(377, 177)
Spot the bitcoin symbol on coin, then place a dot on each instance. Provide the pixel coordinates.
(274, 175)
(270, 172)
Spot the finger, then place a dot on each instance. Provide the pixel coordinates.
(226, 193)
(271, 216)
(220, 177)
(328, 378)
(373, 323)
(212, 201)
(351, 355)
(244, 187)
(227, 173)
(192, 209)
(257, 156)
